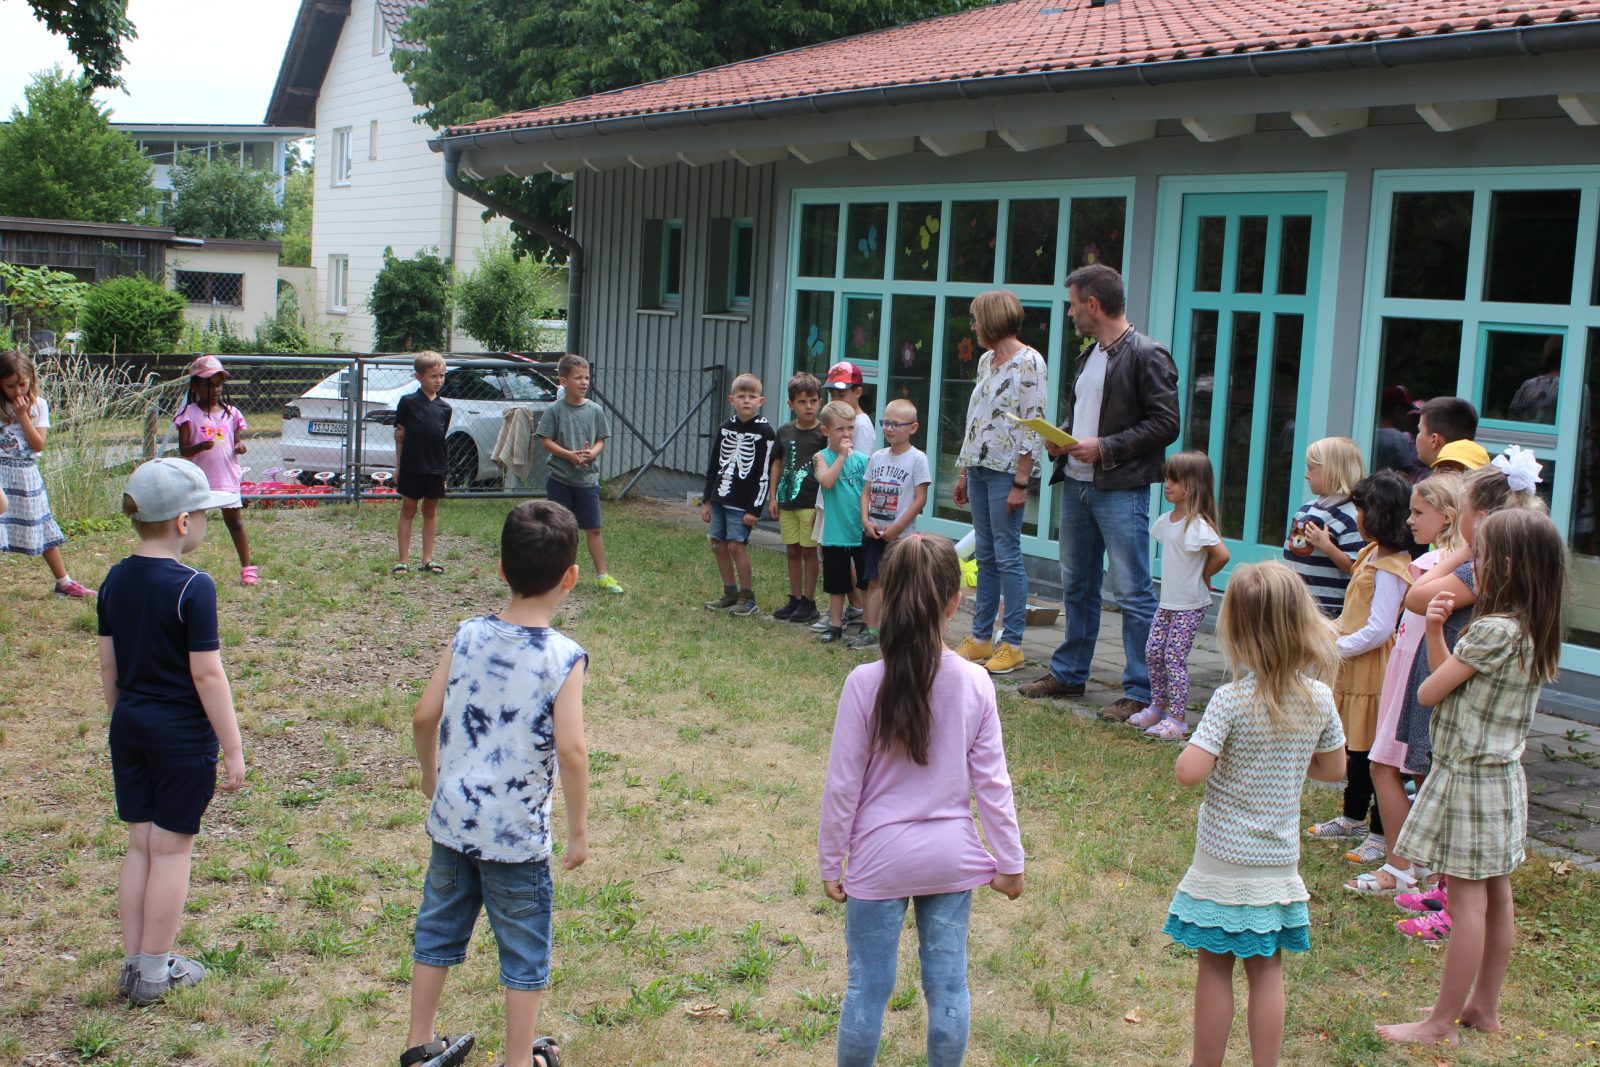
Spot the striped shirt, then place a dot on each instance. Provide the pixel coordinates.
(1321, 575)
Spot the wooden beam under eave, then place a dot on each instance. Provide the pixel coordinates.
(884, 148)
(1582, 108)
(1332, 122)
(704, 157)
(1453, 115)
(644, 162)
(564, 167)
(756, 157)
(1117, 134)
(1031, 140)
(1214, 128)
(600, 166)
(955, 144)
(819, 153)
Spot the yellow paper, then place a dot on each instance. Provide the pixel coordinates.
(1056, 436)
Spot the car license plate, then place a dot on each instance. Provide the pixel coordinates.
(332, 429)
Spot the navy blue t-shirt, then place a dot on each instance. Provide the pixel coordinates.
(156, 612)
(426, 423)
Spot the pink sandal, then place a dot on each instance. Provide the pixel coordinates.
(1146, 718)
(250, 576)
(1169, 728)
(1433, 926)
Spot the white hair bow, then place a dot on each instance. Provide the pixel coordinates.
(1520, 467)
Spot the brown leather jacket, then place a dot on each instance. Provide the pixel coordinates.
(1138, 413)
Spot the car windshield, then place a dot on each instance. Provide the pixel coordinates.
(528, 385)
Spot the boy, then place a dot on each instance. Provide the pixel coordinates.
(165, 687)
(846, 384)
(737, 482)
(896, 491)
(794, 501)
(421, 424)
(841, 472)
(574, 431)
(1445, 433)
(502, 711)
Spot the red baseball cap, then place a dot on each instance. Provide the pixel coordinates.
(844, 375)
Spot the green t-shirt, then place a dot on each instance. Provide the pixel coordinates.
(573, 426)
(841, 505)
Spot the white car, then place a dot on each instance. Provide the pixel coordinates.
(315, 429)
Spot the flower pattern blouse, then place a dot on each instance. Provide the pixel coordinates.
(1017, 387)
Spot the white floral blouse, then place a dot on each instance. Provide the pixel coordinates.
(1018, 387)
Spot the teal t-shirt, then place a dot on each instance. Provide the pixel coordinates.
(841, 505)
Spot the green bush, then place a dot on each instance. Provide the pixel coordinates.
(410, 302)
(284, 331)
(502, 301)
(132, 314)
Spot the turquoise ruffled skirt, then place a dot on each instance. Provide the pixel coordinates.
(1241, 930)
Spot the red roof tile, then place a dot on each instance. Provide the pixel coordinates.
(1025, 36)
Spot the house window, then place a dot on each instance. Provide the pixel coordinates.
(377, 28)
(730, 267)
(372, 139)
(341, 156)
(339, 284)
(741, 262)
(661, 273)
(212, 288)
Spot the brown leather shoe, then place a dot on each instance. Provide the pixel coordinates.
(1051, 686)
(1122, 710)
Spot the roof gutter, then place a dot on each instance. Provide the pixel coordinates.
(575, 258)
(1509, 42)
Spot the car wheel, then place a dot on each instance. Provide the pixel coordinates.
(461, 462)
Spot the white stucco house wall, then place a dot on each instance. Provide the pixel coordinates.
(225, 279)
(377, 183)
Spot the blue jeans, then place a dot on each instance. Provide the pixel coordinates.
(999, 549)
(1112, 526)
(872, 943)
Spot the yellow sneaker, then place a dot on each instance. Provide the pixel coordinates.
(609, 584)
(1006, 659)
(976, 651)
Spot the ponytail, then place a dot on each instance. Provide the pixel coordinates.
(920, 576)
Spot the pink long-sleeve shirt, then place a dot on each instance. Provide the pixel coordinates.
(907, 830)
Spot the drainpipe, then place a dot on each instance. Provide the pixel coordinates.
(575, 264)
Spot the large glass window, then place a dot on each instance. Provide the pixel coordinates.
(1428, 238)
(1533, 236)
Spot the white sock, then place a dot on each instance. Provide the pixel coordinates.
(153, 966)
(130, 960)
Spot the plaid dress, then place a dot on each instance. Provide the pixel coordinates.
(1471, 814)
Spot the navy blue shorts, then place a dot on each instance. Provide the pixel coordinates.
(517, 897)
(415, 486)
(872, 550)
(171, 790)
(582, 500)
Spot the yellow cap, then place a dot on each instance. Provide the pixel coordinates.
(1469, 454)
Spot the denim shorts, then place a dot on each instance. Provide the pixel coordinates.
(727, 524)
(517, 897)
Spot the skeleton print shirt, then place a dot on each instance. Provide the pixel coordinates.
(741, 460)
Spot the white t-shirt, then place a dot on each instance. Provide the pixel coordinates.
(13, 444)
(866, 437)
(1089, 391)
(892, 484)
(1183, 561)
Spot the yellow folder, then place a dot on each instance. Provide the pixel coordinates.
(1055, 435)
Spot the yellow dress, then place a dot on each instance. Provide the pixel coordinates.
(1360, 678)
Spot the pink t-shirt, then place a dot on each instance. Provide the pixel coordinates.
(907, 830)
(220, 462)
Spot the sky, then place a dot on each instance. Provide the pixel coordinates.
(206, 61)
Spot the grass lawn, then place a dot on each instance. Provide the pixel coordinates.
(697, 933)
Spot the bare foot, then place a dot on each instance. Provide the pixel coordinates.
(1423, 1033)
(1488, 1022)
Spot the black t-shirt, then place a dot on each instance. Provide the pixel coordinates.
(156, 612)
(797, 485)
(426, 422)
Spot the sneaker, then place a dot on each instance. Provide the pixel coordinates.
(1338, 828)
(1432, 926)
(975, 651)
(181, 972)
(832, 635)
(130, 974)
(609, 584)
(823, 622)
(805, 611)
(1434, 899)
(745, 607)
(785, 613)
(250, 576)
(864, 639)
(1050, 686)
(1006, 658)
(76, 590)
(442, 1051)
(727, 600)
(854, 616)
(1122, 710)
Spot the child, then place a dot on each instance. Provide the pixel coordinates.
(27, 525)
(1372, 605)
(421, 424)
(1471, 814)
(1445, 432)
(738, 479)
(1191, 555)
(845, 384)
(208, 436)
(917, 737)
(165, 687)
(896, 492)
(794, 500)
(842, 473)
(1433, 521)
(1323, 539)
(574, 430)
(501, 713)
(1242, 896)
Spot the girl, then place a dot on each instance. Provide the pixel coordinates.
(1191, 555)
(1323, 539)
(1261, 735)
(1433, 521)
(1378, 584)
(208, 436)
(917, 735)
(27, 526)
(1472, 813)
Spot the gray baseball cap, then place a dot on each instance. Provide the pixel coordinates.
(163, 489)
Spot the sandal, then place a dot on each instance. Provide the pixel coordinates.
(431, 567)
(1146, 718)
(442, 1051)
(399, 569)
(1340, 826)
(546, 1049)
(1372, 883)
(1373, 848)
(250, 576)
(1168, 729)
(1431, 927)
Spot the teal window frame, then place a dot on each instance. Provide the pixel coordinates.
(665, 296)
(741, 233)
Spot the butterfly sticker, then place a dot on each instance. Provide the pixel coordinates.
(926, 232)
(868, 245)
(815, 346)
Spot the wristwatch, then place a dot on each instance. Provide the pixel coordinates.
(1020, 485)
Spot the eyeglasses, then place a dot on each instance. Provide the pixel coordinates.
(888, 425)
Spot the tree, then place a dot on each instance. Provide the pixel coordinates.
(410, 302)
(95, 31)
(61, 159)
(479, 58)
(219, 198)
(41, 298)
(297, 198)
(502, 301)
(132, 314)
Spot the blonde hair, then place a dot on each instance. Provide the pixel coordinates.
(1487, 491)
(1340, 460)
(1270, 627)
(426, 361)
(746, 383)
(901, 406)
(836, 411)
(1442, 493)
(996, 315)
(15, 362)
